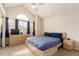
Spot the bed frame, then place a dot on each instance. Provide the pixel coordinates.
(48, 52)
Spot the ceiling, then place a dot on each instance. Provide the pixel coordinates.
(46, 9)
(8, 5)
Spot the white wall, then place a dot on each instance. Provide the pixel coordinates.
(67, 21)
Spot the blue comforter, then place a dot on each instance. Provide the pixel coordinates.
(43, 42)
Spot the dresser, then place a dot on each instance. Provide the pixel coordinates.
(17, 39)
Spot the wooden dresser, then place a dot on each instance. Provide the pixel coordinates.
(17, 39)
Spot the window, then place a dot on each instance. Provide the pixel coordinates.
(11, 23)
(22, 23)
(22, 17)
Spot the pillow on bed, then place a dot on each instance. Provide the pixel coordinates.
(47, 34)
(55, 35)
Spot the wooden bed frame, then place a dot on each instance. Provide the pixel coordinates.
(48, 52)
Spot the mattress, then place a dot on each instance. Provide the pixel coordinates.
(43, 42)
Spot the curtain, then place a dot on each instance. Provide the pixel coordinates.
(28, 27)
(1, 29)
(33, 28)
(7, 28)
(16, 24)
(7, 32)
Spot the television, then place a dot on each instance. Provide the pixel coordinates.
(14, 31)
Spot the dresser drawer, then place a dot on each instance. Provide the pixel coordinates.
(17, 39)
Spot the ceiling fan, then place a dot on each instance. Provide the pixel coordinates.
(35, 5)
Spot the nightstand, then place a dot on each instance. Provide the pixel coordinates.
(68, 44)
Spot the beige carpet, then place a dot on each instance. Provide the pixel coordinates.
(19, 50)
(22, 50)
(64, 52)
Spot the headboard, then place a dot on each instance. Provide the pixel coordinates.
(61, 35)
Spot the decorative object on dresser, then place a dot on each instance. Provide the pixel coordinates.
(68, 44)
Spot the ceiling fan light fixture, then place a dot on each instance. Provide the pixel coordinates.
(34, 7)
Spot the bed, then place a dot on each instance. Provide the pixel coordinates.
(45, 45)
